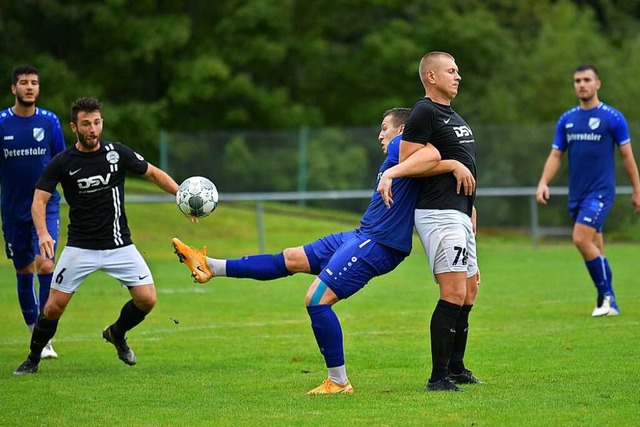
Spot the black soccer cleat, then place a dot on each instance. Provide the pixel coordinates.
(124, 352)
(27, 367)
(445, 384)
(466, 377)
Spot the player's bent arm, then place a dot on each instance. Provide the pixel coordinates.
(408, 148)
(630, 166)
(161, 179)
(417, 164)
(423, 158)
(39, 216)
(551, 167)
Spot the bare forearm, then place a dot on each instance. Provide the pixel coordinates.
(551, 167)
(39, 211)
(161, 179)
(418, 164)
(443, 166)
(631, 168)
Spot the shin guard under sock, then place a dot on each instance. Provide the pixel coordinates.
(328, 332)
(44, 286)
(456, 363)
(27, 297)
(258, 267)
(598, 273)
(443, 332)
(130, 317)
(43, 331)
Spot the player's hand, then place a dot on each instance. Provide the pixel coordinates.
(542, 194)
(46, 245)
(465, 179)
(635, 201)
(193, 219)
(384, 188)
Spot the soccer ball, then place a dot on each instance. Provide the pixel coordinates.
(197, 196)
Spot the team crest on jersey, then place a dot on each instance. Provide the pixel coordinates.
(38, 134)
(113, 157)
(594, 123)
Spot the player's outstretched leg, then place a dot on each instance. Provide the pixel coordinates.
(124, 352)
(195, 259)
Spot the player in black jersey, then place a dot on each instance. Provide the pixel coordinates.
(445, 215)
(92, 176)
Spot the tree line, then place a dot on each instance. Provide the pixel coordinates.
(283, 64)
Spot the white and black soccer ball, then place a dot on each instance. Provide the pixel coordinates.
(197, 196)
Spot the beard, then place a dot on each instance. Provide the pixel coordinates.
(88, 145)
(24, 103)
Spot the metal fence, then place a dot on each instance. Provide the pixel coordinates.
(536, 229)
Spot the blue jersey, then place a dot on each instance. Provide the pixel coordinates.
(590, 137)
(28, 144)
(392, 227)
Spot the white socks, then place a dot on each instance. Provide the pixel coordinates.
(338, 374)
(217, 266)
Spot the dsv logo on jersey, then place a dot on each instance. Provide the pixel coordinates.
(462, 131)
(93, 181)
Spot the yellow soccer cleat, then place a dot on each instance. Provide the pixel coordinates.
(329, 387)
(195, 259)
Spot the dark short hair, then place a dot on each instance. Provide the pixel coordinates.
(87, 105)
(21, 70)
(400, 115)
(587, 67)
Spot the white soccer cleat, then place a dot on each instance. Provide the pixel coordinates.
(48, 352)
(613, 311)
(603, 308)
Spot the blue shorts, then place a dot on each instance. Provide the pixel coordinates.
(320, 252)
(21, 240)
(355, 261)
(592, 211)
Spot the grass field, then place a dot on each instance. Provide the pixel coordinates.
(241, 353)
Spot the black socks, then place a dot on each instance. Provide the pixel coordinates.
(43, 331)
(443, 333)
(130, 317)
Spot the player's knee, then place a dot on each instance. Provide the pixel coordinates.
(320, 294)
(295, 259)
(454, 294)
(44, 265)
(144, 297)
(147, 303)
(53, 309)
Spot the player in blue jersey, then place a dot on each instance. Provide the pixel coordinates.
(29, 138)
(589, 133)
(445, 216)
(343, 262)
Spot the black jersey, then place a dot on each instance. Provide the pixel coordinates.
(93, 186)
(444, 128)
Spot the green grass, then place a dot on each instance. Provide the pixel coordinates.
(242, 352)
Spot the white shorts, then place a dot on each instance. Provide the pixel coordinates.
(448, 240)
(75, 264)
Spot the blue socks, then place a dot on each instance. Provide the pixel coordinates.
(44, 281)
(258, 267)
(328, 332)
(600, 274)
(27, 298)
